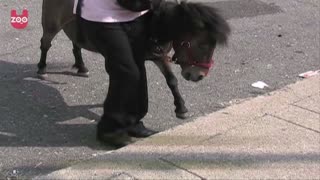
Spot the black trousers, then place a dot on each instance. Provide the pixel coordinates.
(123, 46)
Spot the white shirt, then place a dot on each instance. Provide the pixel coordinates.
(106, 11)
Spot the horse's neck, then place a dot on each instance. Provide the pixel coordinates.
(163, 22)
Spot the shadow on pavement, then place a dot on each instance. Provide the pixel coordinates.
(34, 114)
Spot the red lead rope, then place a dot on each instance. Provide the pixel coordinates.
(206, 65)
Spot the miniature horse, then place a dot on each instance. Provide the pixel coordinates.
(192, 29)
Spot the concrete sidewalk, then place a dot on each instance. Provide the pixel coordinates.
(276, 136)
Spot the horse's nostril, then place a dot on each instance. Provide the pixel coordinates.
(200, 77)
(188, 76)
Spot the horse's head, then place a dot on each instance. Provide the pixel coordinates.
(195, 55)
(195, 30)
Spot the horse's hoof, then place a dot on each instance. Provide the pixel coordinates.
(83, 74)
(42, 76)
(182, 115)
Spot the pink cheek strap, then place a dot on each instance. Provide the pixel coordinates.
(206, 66)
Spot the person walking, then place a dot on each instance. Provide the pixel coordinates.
(118, 30)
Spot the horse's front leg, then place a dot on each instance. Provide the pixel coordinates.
(172, 81)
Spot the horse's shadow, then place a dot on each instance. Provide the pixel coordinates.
(32, 113)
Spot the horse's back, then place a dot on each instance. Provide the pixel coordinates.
(56, 13)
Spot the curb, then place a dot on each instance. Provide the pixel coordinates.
(147, 158)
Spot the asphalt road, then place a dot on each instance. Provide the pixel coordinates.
(47, 125)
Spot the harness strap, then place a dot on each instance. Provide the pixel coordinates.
(158, 49)
(155, 13)
(191, 58)
(79, 5)
(191, 61)
(79, 33)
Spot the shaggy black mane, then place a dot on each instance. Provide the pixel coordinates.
(190, 17)
(209, 18)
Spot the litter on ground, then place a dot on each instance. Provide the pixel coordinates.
(309, 74)
(260, 85)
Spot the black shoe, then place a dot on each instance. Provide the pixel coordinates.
(140, 131)
(116, 138)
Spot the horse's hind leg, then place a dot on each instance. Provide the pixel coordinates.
(79, 64)
(44, 47)
(172, 82)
